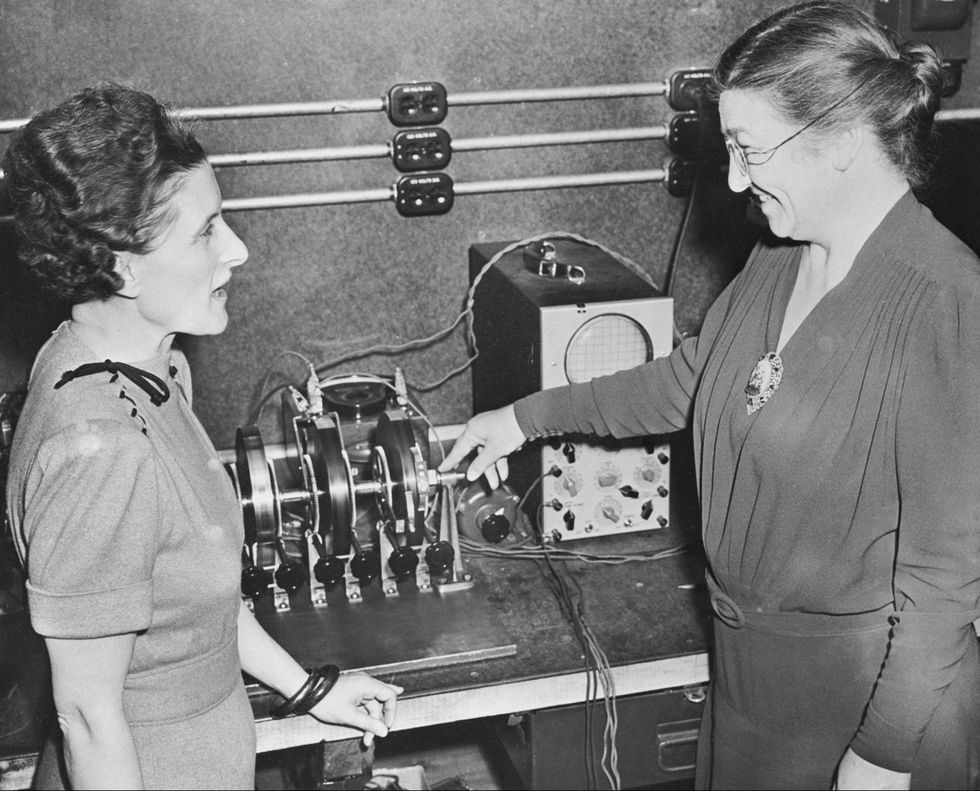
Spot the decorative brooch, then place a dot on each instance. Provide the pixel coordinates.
(763, 382)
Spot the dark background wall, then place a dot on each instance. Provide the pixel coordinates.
(330, 280)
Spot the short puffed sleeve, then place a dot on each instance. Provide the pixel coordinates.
(92, 528)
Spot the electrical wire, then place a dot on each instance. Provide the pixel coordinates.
(253, 414)
(525, 550)
(570, 597)
(466, 315)
(679, 238)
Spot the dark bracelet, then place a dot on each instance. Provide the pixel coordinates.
(328, 675)
(318, 683)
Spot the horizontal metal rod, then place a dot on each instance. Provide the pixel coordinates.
(376, 151)
(968, 114)
(308, 199)
(560, 138)
(381, 150)
(558, 94)
(559, 182)
(289, 109)
(472, 188)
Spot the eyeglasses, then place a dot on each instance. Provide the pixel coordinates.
(741, 157)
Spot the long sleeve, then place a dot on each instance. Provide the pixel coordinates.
(937, 566)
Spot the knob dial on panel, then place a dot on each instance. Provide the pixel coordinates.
(569, 484)
(650, 474)
(609, 510)
(439, 556)
(364, 565)
(607, 475)
(255, 581)
(403, 562)
(495, 528)
(290, 576)
(329, 570)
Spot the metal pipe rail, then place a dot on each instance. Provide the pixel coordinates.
(296, 109)
(469, 188)
(382, 150)
(966, 114)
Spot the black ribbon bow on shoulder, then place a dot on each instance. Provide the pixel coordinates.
(151, 384)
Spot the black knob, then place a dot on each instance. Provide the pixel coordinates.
(569, 519)
(629, 491)
(403, 562)
(495, 528)
(290, 576)
(569, 451)
(647, 510)
(329, 570)
(364, 565)
(255, 581)
(439, 556)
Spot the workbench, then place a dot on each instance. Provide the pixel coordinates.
(499, 647)
(503, 647)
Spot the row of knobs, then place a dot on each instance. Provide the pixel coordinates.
(329, 570)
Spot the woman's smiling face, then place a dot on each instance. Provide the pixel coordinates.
(792, 185)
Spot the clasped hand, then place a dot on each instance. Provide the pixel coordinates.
(360, 701)
(496, 434)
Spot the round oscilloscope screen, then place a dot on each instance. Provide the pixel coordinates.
(604, 345)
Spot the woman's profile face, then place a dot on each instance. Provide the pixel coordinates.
(181, 281)
(790, 184)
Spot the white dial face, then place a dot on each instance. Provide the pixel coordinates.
(604, 345)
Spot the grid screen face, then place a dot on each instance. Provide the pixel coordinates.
(604, 345)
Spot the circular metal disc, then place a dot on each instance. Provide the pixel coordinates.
(255, 484)
(325, 447)
(395, 436)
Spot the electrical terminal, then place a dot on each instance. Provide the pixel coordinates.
(687, 89)
(416, 104)
(422, 195)
(679, 178)
(413, 150)
(697, 135)
(314, 396)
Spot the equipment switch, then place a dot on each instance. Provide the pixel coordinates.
(629, 491)
(569, 519)
(646, 510)
(569, 450)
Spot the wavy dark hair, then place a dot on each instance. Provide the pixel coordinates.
(808, 56)
(90, 178)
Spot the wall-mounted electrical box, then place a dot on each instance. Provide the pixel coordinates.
(945, 24)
